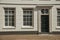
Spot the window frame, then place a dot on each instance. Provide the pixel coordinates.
(12, 17)
(58, 15)
(25, 26)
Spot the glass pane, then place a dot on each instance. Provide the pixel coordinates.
(6, 19)
(58, 24)
(6, 24)
(25, 23)
(24, 12)
(6, 15)
(58, 20)
(24, 15)
(11, 8)
(28, 23)
(10, 15)
(58, 17)
(5, 9)
(10, 18)
(13, 12)
(28, 19)
(6, 12)
(10, 11)
(30, 12)
(29, 15)
(44, 11)
(24, 19)
(27, 12)
(12, 24)
(31, 23)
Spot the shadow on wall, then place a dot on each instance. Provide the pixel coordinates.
(18, 33)
(26, 33)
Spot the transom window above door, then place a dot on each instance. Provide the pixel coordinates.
(44, 11)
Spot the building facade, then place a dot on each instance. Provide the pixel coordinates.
(42, 16)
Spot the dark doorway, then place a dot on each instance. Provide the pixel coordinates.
(44, 23)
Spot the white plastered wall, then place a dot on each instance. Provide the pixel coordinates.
(55, 28)
(19, 18)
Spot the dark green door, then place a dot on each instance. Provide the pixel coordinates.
(45, 23)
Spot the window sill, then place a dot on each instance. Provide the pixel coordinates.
(27, 27)
(9, 27)
(58, 27)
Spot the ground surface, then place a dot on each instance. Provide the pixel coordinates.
(31, 37)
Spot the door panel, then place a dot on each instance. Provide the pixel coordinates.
(44, 23)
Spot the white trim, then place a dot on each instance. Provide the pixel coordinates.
(39, 17)
(27, 27)
(9, 27)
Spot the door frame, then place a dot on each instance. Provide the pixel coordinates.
(39, 19)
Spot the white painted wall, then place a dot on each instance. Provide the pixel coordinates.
(54, 18)
(30, 1)
(19, 18)
(19, 4)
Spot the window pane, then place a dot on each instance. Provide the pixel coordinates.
(10, 18)
(10, 12)
(25, 19)
(58, 20)
(58, 24)
(44, 11)
(58, 17)
(6, 12)
(30, 19)
(11, 8)
(6, 19)
(6, 24)
(10, 15)
(27, 11)
(30, 12)
(6, 15)
(24, 15)
(13, 12)
(25, 23)
(28, 23)
(10, 24)
(31, 23)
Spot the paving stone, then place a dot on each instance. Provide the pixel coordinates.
(30, 37)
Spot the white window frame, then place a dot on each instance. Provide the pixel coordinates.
(14, 18)
(58, 15)
(25, 26)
